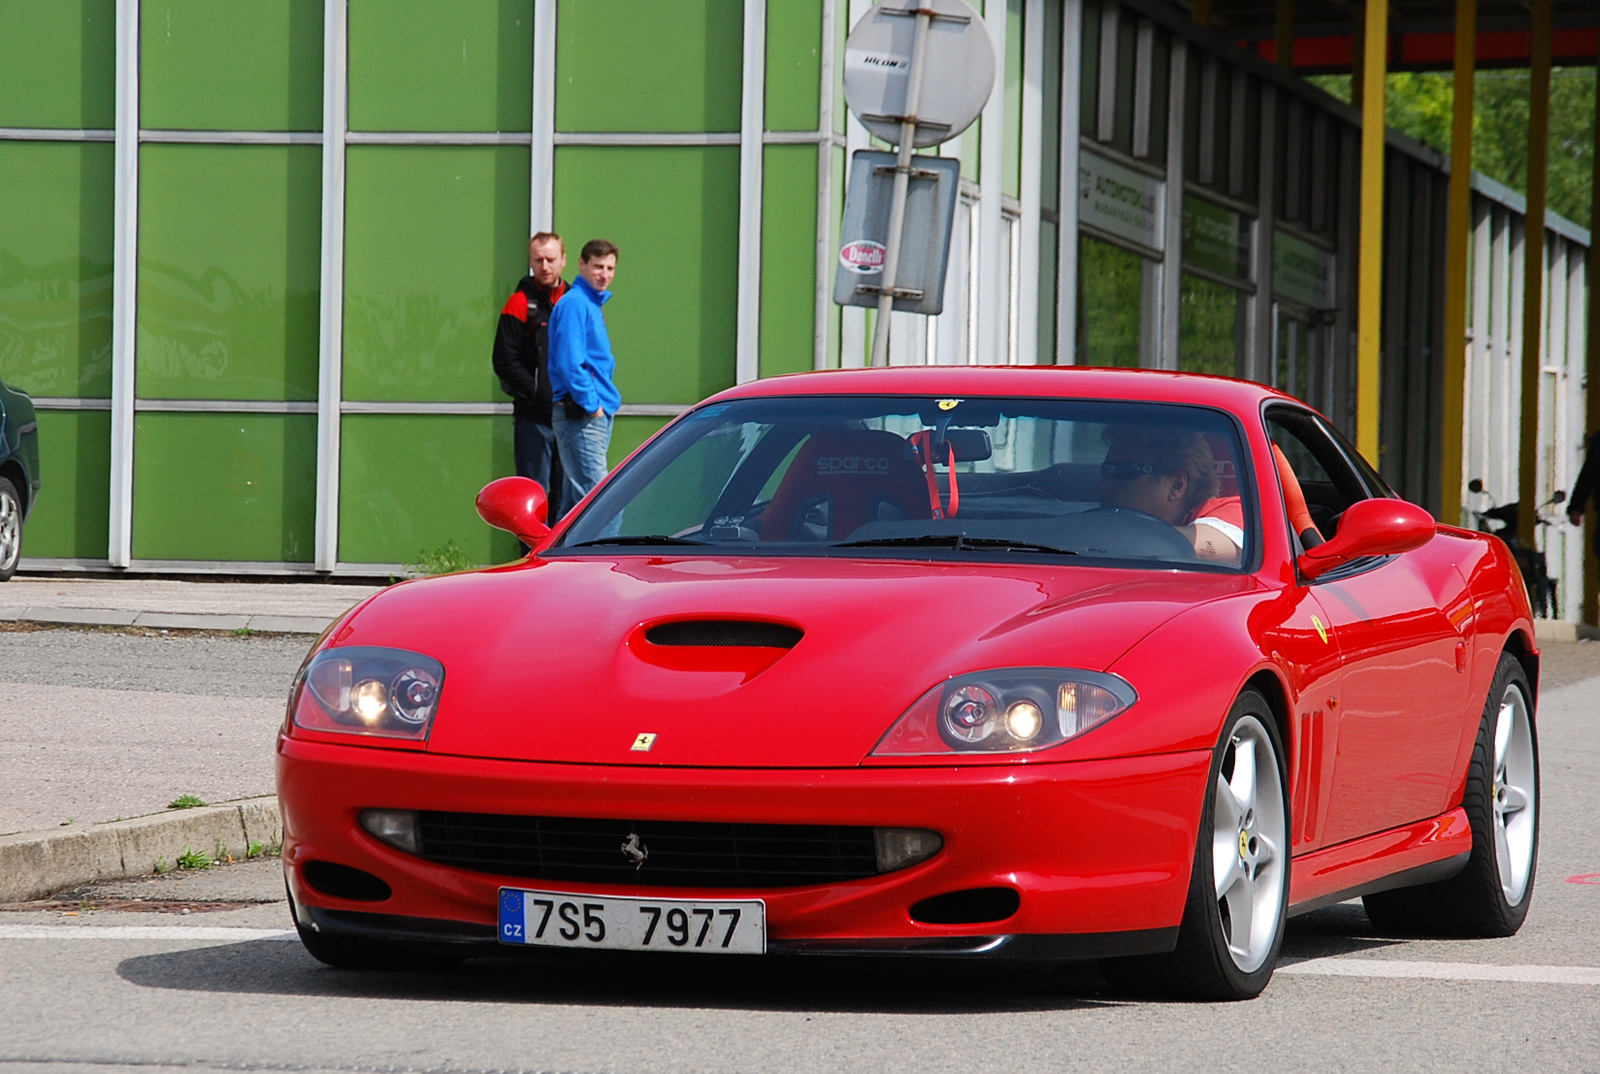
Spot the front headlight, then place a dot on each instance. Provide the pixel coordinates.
(1009, 710)
(368, 690)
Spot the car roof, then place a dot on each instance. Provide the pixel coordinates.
(1059, 381)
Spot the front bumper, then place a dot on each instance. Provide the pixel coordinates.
(1099, 851)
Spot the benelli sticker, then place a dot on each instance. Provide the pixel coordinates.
(1322, 631)
(863, 255)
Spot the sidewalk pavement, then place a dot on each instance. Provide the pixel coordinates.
(287, 607)
(32, 864)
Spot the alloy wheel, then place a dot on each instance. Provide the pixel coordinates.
(1249, 845)
(1515, 795)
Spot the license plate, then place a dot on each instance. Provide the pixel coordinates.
(609, 922)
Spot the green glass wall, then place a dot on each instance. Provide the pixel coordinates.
(229, 248)
(435, 239)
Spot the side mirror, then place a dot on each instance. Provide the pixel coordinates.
(1371, 528)
(517, 505)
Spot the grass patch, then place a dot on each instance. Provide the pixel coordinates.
(186, 801)
(193, 859)
(243, 632)
(446, 559)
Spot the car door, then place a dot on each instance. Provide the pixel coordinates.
(1403, 684)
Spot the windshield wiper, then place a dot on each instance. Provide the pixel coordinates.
(960, 542)
(637, 538)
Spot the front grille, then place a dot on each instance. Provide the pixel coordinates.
(680, 853)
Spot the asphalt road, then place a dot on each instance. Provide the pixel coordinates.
(101, 724)
(225, 987)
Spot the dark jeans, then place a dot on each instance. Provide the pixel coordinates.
(534, 445)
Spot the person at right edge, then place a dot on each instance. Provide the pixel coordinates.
(521, 361)
(583, 373)
(1588, 484)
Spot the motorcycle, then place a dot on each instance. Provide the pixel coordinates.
(1502, 522)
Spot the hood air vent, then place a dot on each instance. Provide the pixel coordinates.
(742, 633)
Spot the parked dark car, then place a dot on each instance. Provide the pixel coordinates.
(19, 473)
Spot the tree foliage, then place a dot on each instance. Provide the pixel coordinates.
(1419, 104)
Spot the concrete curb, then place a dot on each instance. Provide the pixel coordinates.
(33, 864)
(278, 624)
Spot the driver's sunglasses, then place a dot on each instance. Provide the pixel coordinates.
(1127, 471)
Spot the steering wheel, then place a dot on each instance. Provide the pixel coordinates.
(1145, 535)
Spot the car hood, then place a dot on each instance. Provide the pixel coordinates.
(548, 660)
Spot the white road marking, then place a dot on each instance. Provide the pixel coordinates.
(141, 932)
(1443, 971)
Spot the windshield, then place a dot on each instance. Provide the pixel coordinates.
(942, 477)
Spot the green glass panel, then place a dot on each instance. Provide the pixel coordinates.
(788, 258)
(255, 66)
(1111, 287)
(1050, 110)
(435, 239)
(58, 64)
(841, 34)
(72, 518)
(407, 485)
(835, 223)
(1049, 291)
(419, 65)
(225, 486)
(628, 433)
(1215, 238)
(674, 214)
(1011, 170)
(229, 265)
(56, 267)
(794, 65)
(628, 66)
(1210, 320)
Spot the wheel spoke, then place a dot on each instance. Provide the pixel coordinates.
(1266, 852)
(1514, 800)
(1225, 867)
(1229, 815)
(1243, 783)
(1503, 725)
(1502, 855)
(1241, 912)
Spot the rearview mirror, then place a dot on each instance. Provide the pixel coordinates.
(1371, 528)
(517, 505)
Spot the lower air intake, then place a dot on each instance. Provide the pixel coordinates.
(652, 854)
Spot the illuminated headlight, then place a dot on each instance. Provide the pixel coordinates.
(1010, 710)
(368, 690)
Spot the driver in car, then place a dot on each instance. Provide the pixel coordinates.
(1172, 474)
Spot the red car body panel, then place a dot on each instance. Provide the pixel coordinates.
(1378, 680)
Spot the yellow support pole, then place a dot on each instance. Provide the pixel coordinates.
(1458, 235)
(1533, 270)
(1202, 13)
(1283, 32)
(1369, 303)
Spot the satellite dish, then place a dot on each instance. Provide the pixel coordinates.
(957, 78)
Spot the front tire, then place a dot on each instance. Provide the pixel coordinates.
(10, 528)
(1233, 921)
(1490, 896)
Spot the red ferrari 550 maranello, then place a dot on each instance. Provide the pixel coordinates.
(1050, 663)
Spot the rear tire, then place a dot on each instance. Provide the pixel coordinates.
(10, 528)
(1489, 897)
(1233, 920)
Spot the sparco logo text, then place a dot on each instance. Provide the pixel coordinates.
(852, 464)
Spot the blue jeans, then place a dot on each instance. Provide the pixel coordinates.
(582, 443)
(533, 444)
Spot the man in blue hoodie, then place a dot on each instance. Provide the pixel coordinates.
(583, 372)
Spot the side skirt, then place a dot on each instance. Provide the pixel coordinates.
(1419, 853)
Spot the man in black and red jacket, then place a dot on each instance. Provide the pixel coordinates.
(521, 361)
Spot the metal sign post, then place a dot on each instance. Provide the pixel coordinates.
(902, 176)
(884, 87)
